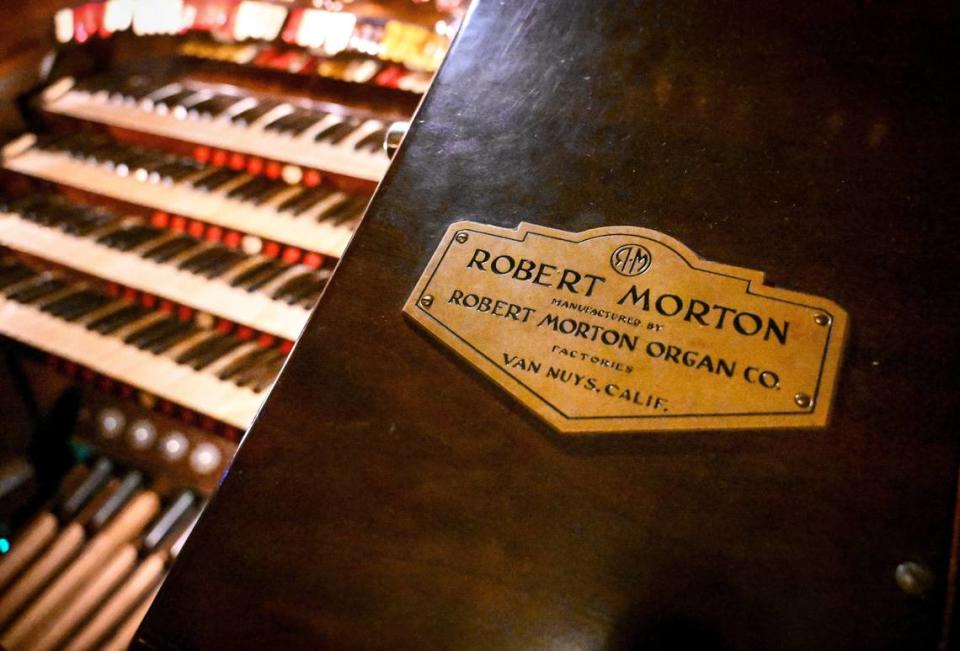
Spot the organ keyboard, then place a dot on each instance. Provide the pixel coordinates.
(201, 368)
(175, 193)
(319, 218)
(322, 136)
(262, 293)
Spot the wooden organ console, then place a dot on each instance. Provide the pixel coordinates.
(179, 179)
(644, 341)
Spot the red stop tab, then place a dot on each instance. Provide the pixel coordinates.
(214, 234)
(291, 255)
(232, 239)
(237, 161)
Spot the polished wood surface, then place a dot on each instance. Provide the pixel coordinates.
(26, 36)
(389, 497)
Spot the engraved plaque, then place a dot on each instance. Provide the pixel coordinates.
(624, 329)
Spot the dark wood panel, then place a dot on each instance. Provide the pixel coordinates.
(389, 497)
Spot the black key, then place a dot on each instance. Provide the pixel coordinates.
(128, 161)
(160, 94)
(140, 235)
(225, 265)
(334, 129)
(14, 275)
(372, 142)
(249, 188)
(86, 307)
(111, 236)
(52, 141)
(249, 375)
(314, 287)
(200, 108)
(199, 348)
(186, 329)
(158, 337)
(226, 179)
(214, 106)
(87, 154)
(89, 220)
(292, 285)
(291, 201)
(251, 115)
(263, 372)
(310, 299)
(223, 104)
(296, 122)
(312, 198)
(65, 303)
(137, 87)
(89, 85)
(183, 106)
(47, 216)
(179, 169)
(352, 210)
(201, 258)
(38, 290)
(343, 130)
(243, 363)
(215, 180)
(208, 351)
(267, 278)
(250, 275)
(174, 99)
(223, 347)
(117, 319)
(208, 172)
(348, 127)
(307, 121)
(24, 205)
(116, 238)
(82, 139)
(280, 124)
(148, 330)
(212, 258)
(171, 248)
(131, 237)
(268, 192)
(343, 204)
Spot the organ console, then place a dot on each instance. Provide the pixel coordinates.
(179, 179)
(643, 338)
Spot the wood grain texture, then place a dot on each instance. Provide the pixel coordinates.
(389, 497)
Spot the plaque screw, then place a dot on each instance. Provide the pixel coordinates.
(426, 301)
(803, 400)
(461, 237)
(913, 578)
(821, 319)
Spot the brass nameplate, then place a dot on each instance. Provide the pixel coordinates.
(624, 329)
